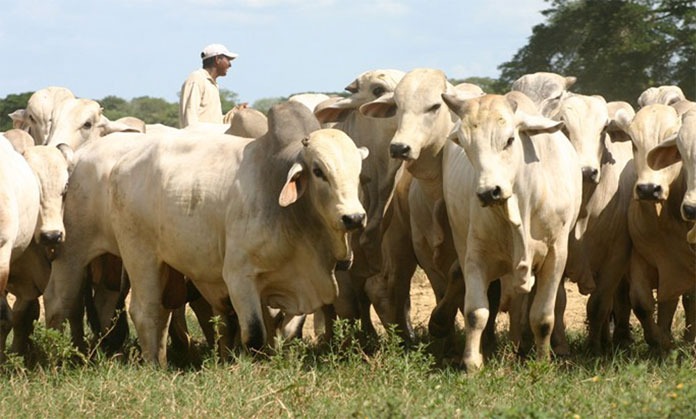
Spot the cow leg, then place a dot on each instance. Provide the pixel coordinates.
(689, 304)
(600, 303)
(559, 339)
(245, 300)
(63, 297)
(291, 327)
(151, 319)
(541, 314)
(476, 311)
(442, 318)
(24, 313)
(5, 323)
(665, 315)
(622, 314)
(520, 330)
(204, 312)
(642, 276)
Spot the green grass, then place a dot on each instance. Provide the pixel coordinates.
(343, 379)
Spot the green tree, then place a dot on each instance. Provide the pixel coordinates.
(9, 104)
(265, 104)
(228, 100)
(616, 48)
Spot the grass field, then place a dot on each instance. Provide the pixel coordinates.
(344, 379)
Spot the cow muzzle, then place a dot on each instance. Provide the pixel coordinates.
(50, 237)
(590, 175)
(492, 196)
(401, 151)
(688, 212)
(353, 221)
(649, 192)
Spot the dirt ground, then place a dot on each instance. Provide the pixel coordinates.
(423, 302)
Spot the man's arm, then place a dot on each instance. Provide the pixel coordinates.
(189, 103)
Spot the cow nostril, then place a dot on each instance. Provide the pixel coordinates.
(495, 194)
(50, 237)
(648, 191)
(399, 150)
(490, 196)
(353, 221)
(689, 212)
(589, 174)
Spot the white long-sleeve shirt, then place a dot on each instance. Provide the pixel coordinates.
(200, 100)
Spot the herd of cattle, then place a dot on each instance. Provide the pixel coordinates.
(329, 204)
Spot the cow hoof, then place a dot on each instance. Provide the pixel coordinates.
(472, 364)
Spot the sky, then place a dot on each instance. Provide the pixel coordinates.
(133, 48)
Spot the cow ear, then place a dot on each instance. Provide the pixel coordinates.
(570, 81)
(527, 122)
(621, 120)
(108, 127)
(69, 155)
(364, 152)
(335, 109)
(294, 187)
(664, 154)
(454, 134)
(20, 118)
(382, 107)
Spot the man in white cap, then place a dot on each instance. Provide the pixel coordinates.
(200, 96)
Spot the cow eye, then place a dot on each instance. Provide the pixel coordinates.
(378, 91)
(87, 125)
(318, 173)
(434, 107)
(31, 118)
(509, 142)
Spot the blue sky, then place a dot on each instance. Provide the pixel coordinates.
(147, 47)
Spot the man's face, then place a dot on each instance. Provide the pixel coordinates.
(223, 64)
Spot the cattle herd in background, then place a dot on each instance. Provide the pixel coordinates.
(329, 204)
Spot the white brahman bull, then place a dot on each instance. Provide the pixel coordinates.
(600, 238)
(368, 278)
(529, 189)
(660, 257)
(31, 213)
(39, 116)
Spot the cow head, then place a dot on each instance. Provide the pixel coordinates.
(423, 120)
(682, 148)
(52, 167)
(39, 116)
(369, 86)
(77, 121)
(546, 90)
(585, 119)
(491, 131)
(664, 95)
(652, 125)
(328, 170)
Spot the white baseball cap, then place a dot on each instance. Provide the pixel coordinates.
(213, 50)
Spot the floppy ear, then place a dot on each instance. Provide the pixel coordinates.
(527, 122)
(382, 107)
(454, 134)
(107, 127)
(20, 118)
(68, 154)
(294, 187)
(622, 120)
(664, 154)
(335, 109)
(364, 152)
(455, 99)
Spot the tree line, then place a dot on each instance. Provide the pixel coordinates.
(615, 48)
